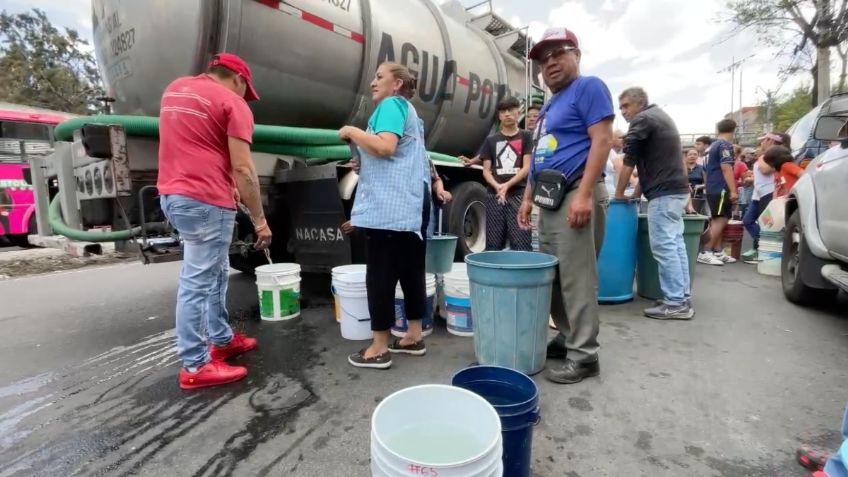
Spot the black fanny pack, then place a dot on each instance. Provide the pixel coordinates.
(550, 187)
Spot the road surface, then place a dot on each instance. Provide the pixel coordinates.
(88, 385)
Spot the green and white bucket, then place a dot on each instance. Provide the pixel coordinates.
(279, 291)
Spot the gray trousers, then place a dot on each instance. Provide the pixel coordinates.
(574, 301)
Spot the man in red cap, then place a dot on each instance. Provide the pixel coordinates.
(205, 132)
(573, 140)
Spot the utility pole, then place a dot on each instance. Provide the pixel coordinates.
(740, 122)
(767, 127)
(732, 67)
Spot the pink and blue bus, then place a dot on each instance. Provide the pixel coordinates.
(24, 132)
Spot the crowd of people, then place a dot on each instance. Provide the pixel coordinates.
(566, 162)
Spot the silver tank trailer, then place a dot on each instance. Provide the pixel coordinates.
(313, 60)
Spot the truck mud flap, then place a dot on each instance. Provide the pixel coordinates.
(311, 197)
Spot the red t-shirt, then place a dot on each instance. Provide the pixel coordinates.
(196, 118)
(739, 169)
(786, 178)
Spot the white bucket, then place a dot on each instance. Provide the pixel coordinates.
(457, 434)
(441, 305)
(278, 285)
(400, 326)
(353, 306)
(458, 301)
(770, 262)
(337, 272)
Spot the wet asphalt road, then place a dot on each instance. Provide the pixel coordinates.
(88, 386)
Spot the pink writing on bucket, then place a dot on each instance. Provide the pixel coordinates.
(425, 471)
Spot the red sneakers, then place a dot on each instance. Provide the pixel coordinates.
(238, 345)
(212, 373)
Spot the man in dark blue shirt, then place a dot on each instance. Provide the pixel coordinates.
(573, 137)
(721, 191)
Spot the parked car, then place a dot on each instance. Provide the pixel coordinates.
(815, 244)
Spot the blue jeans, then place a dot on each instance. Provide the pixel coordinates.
(665, 227)
(207, 231)
(752, 214)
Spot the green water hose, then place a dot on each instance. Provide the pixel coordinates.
(300, 150)
(284, 140)
(54, 217)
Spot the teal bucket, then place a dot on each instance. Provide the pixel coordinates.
(440, 253)
(511, 303)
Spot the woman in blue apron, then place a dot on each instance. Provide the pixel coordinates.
(394, 184)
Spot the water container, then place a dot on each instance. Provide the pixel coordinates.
(440, 252)
(456, 434)
(732, 239)
(511, 303)
(460, 321)
(279, 291)
(647, 271)
(617, 261)
(427, 322)
(441, 306)
(337, 272)
(515, 397)
(353, 305)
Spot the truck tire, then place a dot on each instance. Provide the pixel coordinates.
(795, 252)
(465, 217)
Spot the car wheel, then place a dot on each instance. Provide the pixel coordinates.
(795, 253)
(465, 217)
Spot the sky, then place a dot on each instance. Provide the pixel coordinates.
(672, 48)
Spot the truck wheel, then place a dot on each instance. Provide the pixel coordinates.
(795, 253)
(465, 217)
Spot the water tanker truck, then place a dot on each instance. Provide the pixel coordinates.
(312, 63)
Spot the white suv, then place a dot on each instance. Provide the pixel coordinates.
(815, 244)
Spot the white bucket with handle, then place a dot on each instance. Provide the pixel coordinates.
(353, 306)
(458, 301)
(278, 285)
(456, 434)
(337, 272)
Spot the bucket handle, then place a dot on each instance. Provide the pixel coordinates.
(351, 314)
(455, 289)
(536, 416)
(276, 279)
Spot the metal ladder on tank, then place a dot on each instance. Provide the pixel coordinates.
(508, 38)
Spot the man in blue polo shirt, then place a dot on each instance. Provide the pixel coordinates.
(573, 137)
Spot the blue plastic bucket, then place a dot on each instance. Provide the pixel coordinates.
(440, 252)
(515, 397)
(617, 261)
(427, 321)
(511, 303)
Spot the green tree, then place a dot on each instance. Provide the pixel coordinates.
(794, 25)
(789, 108)
(45, 67)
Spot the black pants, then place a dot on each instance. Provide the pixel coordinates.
(392, 257)
(502, 224)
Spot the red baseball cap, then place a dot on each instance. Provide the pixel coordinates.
(237, 65)
(553, 35)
